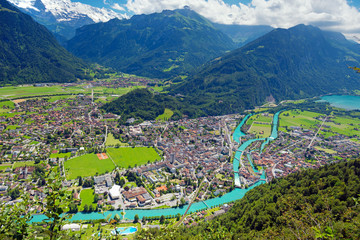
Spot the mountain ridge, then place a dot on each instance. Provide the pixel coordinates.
(158, 45)
(293, 63)
(63, 16)
(30, 53)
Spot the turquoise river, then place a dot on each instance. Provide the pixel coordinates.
(235, 194)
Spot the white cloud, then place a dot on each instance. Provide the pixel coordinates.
(336, 15)
(117, 7)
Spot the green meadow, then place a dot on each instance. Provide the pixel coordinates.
(87, 197)
(111, 141)
(86, 166)
(128, 156)
(166, 115)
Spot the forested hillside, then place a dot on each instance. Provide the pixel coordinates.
(29, 53)
(141, 104)
(157, 45)
(311, 204)
(294, 63)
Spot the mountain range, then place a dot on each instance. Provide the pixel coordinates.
(29, 52)
(63, 17)
(158, 45)
(299, 62)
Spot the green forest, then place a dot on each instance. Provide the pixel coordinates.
(141, 104)
(311, 204)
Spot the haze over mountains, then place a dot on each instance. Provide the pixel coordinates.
(29, 52)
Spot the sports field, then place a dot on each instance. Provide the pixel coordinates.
(127, 156)
(87, 165)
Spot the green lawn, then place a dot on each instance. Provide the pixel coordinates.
(326, 150)
(87, 197)
(166, 115)
(111, 141)
(11, 92)
(125, 157)
(6, 106)
(130, 184)
(260, 130)
(60, 155)
(23, 164)
(259, 118)
(3, 167)
(11, 127)
(87, 165)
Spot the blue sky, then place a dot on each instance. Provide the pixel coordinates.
(335, 15)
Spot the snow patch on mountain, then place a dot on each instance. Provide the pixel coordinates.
(65, 10)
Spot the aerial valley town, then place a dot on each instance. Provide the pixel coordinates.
(155, 164)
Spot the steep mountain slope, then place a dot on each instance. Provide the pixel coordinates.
(157, 45)
(29, 52)
(293, 63)
(313, 204)
(63, 17)
(243, 34)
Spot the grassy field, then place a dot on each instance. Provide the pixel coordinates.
(23, 164)
(166, 115)
(60, 155)
(259, 118)
(28, 91)
(326, 150)
(260, 130)
(111, 141)
(87, 197)
(6, 106)
(338, 125)
(11, 92)
(125, 157)
(298, 118)
(87, 165)
(345, 126)
(3, 167)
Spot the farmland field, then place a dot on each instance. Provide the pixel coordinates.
(87, 165)
(28, 91)
(127, 156)
(298, 118)
(337, 125)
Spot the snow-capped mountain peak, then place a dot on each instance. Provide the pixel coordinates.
(65, 10)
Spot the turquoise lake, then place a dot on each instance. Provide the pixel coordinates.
(343, 101)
